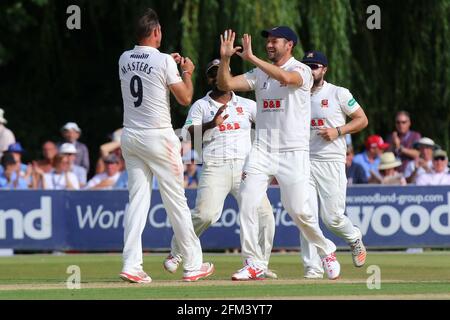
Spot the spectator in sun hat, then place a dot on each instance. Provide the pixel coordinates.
(387, 169)
(369, 159)
(439, 175)
(70, 151)
(107, 179)
(6, 135)
(422, 164)
(71, 133)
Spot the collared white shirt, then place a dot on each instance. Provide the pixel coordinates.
(230, 140)
(57, 181)
(283, 112)
(433, 179)
(330, 105)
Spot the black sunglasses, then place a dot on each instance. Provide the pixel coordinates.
(439, 158)
(314, 66)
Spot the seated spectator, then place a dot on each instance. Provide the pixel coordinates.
(122, 182)
(439, 175)
(424, 163)
(60, 178)
(71, 133)
(24, 170)
(49, 152)
(9, 178)
(387, 171)
(70, 151)
(191, 175)
(6, 136)
(111, 147)
(402, 139)
(370, 158)
(106, 180)
(354, 171)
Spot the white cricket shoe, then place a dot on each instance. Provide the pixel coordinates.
(171, 263)
(206, 270)
(331, 266)
(270, 274)
(138, 277)
(248, 273)
(359, 252)
(313, 274)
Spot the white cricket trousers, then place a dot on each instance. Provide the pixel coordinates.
(292, 170)
(156, 152)
(217, 180)
(327, 192)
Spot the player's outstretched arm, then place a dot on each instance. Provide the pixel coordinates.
(225, 81)
(184, 91)
(285, 77)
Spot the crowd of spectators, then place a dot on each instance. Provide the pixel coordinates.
(404, 158)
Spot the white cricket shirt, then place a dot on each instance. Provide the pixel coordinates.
(329, 107)
(145, 74)
(230, 140)
(283, 112)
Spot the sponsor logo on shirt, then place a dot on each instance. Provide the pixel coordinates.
(273, 105)
(139, 56)
(188, 122)
(240, 111)
(229, 126)
(351, 102)
(324, 103)
(317, 123)
(212, 113)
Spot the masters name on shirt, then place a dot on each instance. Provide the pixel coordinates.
(330, 106)
(145, 74)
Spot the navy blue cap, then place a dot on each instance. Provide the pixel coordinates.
(281, 32)
(15, 147)
(315, 57)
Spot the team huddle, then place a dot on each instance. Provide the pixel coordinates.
(300, 127)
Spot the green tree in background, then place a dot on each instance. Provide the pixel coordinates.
(51, 75)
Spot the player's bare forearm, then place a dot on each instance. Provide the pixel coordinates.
(189, 86)
(223, 74)
(359, 122)
(285, 77)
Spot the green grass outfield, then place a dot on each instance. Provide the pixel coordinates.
(403, 276)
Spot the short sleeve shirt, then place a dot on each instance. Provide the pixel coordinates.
(145, 76)
(283, 111)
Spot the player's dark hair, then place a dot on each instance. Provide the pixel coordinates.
(146, 23)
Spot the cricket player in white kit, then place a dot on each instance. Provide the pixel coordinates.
(150, 147)
(281, 146)
(222, 121)
(330, 105)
